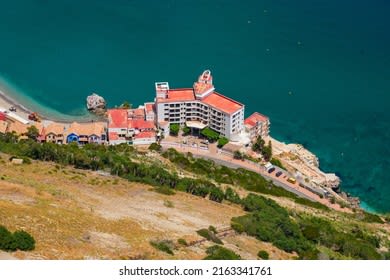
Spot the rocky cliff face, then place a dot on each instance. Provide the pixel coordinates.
(96, 104)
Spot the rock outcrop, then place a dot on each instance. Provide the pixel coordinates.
(96, 104)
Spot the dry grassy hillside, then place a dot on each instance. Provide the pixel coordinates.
(76, 214)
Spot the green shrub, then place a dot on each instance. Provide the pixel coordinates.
(222, 142)
(4, 237)
(186, 130)
(164, 246)
(174, 129)
(232, 196)
(209, 235)
(220, 253)
(155, 147)
(165, 190)
(263, 255)
(277, 162)
(182, 241)
(212, 229)
(216, 194)
(210, 134)
(270, 222)
(24, 240)
(18, 240)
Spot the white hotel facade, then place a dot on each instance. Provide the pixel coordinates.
(198, 107)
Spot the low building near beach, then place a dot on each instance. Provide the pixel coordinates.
(257, 125)
(131, 126)
(54, 133)
(3, 126)
(84, 133)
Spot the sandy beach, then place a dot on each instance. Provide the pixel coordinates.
(6, 102)
(22, 111)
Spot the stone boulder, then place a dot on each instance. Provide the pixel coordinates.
(96, 103)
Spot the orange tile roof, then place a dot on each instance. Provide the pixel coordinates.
(18, 127)
(136, 113)
(180, 94)
(145, 134)
(254, 118)
(95, 128)
(113, 136)
(222, 103)
(149, 108)
(141, 124)
(117, 118)
(55, 128)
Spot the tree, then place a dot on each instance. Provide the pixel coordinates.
(238, 155)
(126, 105)
(186, 130)
(263, 255)
(24, 240)
(5, 234)
(258, 145)
(155, 147)
(210, 134)
(32, 132)
(222, 142)
(267, 152)
(221, 253)
(174, 129)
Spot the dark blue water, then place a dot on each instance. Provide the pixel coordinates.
(320, 69)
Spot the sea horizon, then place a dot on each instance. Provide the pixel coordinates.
(320, 71)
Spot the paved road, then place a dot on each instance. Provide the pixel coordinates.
(228, 161)
(278, 183)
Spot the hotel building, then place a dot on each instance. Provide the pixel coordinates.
(198, 107)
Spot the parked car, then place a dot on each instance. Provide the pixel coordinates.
(278, 173)
(272, 169)
(292, 180)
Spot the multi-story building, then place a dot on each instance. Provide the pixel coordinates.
(257, 125)
(198, 107)
(132, 126)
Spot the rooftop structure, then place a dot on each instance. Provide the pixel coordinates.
(257, 125)
(201, 104)
(131, 125)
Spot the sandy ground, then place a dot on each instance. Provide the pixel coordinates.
(6, 102)
(6, 256)
(82, 215)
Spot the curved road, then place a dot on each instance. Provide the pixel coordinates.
(228, 161)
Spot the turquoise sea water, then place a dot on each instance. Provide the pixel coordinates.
(320, 69)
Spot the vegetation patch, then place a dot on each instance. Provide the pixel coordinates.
(165, 246)
(209, 235)
(221, 253)
(19, 240)
(277, 163)
(222, 142)
(182, 241)
(174, 129)
(263, 255)
(269, 222)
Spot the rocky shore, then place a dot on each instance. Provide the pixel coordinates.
(306, 167)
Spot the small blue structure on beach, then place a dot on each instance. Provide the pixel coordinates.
(72, 138)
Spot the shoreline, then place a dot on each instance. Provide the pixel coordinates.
(7, 101)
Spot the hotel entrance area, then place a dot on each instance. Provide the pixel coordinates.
(195, 127)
